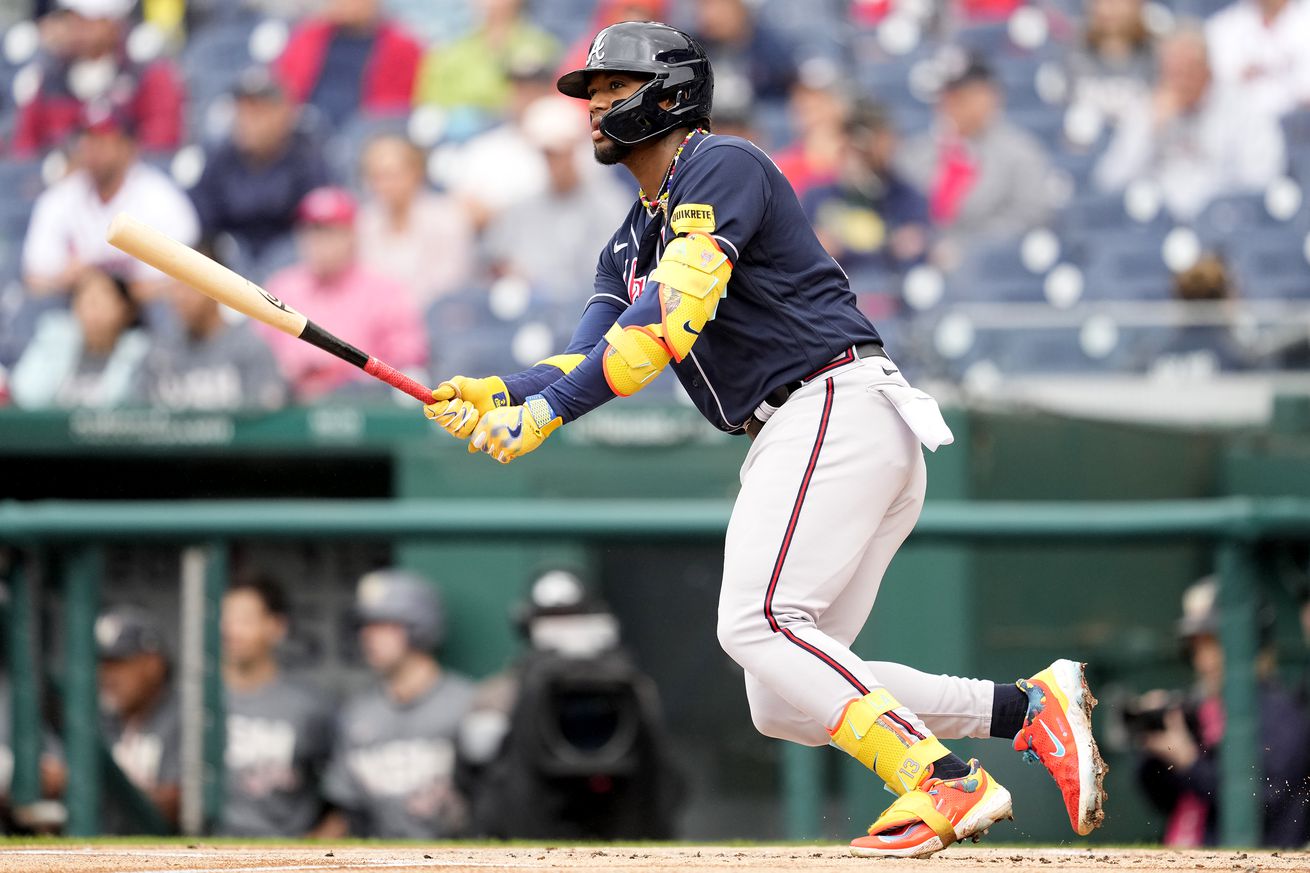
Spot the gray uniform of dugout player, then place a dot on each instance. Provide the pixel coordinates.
(393, 763)
(278, 740)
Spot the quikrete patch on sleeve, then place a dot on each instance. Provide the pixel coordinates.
(691, 217)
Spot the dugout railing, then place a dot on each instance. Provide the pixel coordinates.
(1235, 526)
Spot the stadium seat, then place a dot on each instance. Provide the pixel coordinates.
(21, 181)
(994, 273)
(1270, 265)
(213, 59)
(1098, 220)
(1129, 266)
(1236, 213)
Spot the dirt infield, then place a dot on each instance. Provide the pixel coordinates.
(637, 859)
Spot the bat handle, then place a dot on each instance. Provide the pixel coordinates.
(397, 379)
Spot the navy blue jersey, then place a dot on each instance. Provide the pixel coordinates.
(787, 311)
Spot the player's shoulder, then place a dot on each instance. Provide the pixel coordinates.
(721, 149)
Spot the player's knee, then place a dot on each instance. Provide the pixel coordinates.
(779, 725)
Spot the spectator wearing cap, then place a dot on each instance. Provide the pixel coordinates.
(87, 356)
(139, 718)
(209, 364)
(351, 60)
(983, 176)
(407, 231)
(1261, 50)
(500, 166)
(752, 62)
(474, 71)
(374, 312)
(1192, 139)
(88, 62)
(869, 219)
(67, 231)
(253, 182)
(581, 200)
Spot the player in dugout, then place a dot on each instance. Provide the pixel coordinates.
(716, 273)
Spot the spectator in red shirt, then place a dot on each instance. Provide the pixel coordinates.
(349, 60)
(88, 62)
(372, 311)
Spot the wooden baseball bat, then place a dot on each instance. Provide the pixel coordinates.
(212, 279)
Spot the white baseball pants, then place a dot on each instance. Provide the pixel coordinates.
(830, 489)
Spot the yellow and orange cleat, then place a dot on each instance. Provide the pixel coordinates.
(934, 815)
(1057, 733)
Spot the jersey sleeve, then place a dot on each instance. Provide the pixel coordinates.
(723, 192)
(608, 301)
(586, 388)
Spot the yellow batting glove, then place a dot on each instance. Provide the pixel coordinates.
(509, 433)
(459, 402)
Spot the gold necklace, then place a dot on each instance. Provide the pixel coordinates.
(658, 203)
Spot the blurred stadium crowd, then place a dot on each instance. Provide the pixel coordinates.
(1056, 186)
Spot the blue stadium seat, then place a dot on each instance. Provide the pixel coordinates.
(1097, 220)
(995, 273)
(213, 59)
(1128, 270)
(1270, 265)
(21, 181)
(1235, 214)
(1017, 351)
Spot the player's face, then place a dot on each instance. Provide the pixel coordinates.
(250, 632)
(384, 645)
(1208, 662)
(128, 684)
(603, 91)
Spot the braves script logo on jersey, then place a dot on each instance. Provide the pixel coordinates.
(636, 284)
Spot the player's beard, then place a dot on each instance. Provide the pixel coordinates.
(609, 152)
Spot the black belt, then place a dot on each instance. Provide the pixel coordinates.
(779, 395)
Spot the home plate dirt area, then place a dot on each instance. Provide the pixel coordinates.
(201, 858)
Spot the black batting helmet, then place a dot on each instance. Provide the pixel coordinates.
(679, 68)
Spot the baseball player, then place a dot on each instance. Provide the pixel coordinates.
(279, 730)
(716, 273)
(392, 768)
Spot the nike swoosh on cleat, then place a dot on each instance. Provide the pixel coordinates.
(1059, 746)
(905, 834)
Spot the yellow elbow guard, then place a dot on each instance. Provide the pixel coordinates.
(693, 275)
(635, 356)
(869, 734)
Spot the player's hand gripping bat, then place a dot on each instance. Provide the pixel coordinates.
(211, 278)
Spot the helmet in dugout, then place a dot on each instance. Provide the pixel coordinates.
(679, 70)
(405, 598)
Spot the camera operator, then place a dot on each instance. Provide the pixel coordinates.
(569, 742)
(1179, 737)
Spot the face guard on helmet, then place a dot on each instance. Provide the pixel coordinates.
(679, 70)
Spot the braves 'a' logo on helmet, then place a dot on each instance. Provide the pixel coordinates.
(597, 50)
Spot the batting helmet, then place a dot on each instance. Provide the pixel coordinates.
(404, 598)
(679, 70)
